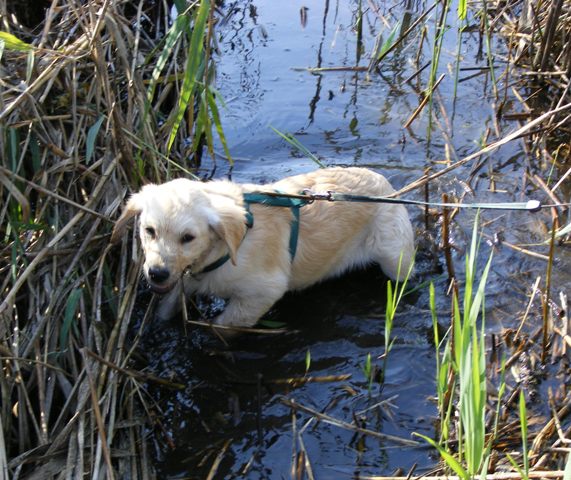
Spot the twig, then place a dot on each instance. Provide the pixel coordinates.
(423, 102)
(53, 194)
(230, 328)
(134, 373)
(493, 146)
(348, 426)
(218, 459)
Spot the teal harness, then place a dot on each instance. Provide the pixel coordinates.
(270, 200)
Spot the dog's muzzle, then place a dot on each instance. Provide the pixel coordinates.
(158, 279)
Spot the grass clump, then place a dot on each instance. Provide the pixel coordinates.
(464, 364)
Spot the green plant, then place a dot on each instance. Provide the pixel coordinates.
(524, 472)
(369, 370)
(394, 296)
(443, 370)
(470, 360)
(294, 142)
(439, 32)
(197, 101)
(468, 364)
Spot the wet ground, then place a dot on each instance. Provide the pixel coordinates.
(234, 405)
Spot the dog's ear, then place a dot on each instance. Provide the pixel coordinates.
(229, 223)
(132, 208)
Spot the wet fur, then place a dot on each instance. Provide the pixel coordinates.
(334, 237)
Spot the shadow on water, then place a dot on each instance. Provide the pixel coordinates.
(231, 405)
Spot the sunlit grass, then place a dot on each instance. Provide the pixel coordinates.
(463, 365)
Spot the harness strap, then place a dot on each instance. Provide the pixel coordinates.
(269, 199)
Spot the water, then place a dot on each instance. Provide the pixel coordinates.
(345, 117)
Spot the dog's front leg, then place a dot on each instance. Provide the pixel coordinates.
(172, 302)
(246, 310)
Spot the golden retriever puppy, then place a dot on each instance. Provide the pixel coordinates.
(216, 241)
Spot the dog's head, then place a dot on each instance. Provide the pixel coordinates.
(183, 224)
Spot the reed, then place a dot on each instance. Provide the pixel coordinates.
(465, 358)
(101, 97)
(524, 471)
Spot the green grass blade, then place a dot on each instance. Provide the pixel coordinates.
(195, 56)
(92, 137)
(523, 422)
(448, 458)
(516, 466)
(11, 42)
(462, 9)
(218, 123)
(479, 297)
(69, 316)
(181, 24)
(294, 142)
(388, 43)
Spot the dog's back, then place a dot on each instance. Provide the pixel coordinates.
(338, 236)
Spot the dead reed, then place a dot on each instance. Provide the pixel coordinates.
(538, 36)
(79, 126)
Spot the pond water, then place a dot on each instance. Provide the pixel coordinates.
(232, 405)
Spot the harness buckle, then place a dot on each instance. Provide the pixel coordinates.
(328, 195)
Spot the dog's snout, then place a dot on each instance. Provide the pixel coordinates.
(158, 274)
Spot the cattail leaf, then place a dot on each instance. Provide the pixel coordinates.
(192, 66)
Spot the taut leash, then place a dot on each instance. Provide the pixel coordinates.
(309, 196)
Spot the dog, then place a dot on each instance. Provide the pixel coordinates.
(215, 238)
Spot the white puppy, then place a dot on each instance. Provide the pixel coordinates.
(221, 244)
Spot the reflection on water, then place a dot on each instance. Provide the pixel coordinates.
(304, 67)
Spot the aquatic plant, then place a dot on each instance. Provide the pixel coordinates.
(465, 359)
(524, 472)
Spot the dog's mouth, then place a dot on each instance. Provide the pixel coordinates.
(160, 289)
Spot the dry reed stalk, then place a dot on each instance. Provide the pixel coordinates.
(78, 131)
(348, 426)
(524, 130)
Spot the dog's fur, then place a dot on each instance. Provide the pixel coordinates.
(333, 237)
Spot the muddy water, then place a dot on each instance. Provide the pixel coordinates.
(232, 405)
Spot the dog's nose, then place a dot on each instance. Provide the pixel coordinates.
(158, 274)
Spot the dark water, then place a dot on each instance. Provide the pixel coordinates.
(230, 404)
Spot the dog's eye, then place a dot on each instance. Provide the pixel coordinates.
(186, 238)
(150, 232)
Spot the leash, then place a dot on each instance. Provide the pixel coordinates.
(309, 196)
(295, 201)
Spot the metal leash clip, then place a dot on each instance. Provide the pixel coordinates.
(319, 195)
